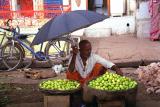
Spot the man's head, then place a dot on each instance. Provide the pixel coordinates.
(85, 48)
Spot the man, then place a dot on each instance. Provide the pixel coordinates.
(85, 65)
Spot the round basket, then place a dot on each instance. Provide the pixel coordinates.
(59, 92)
(111, 95)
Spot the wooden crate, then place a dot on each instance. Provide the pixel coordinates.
(114, 103)
(57, 101)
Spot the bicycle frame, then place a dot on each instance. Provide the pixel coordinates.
(1, 45)
(16, 36)
(68, 36)
(2, 40)
(43, 57)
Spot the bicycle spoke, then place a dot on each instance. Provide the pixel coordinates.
(12, 56)
(29, 57)
(58, 50)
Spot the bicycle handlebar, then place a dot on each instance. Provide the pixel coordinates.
(13, 30)
(10, 28)
(7, 29)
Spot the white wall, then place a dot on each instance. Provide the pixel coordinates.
(143, 20)
(143, 28)
(65, 2)
(119, 24)
(81, 6)
(131, 7)
(140, 24)
(143, 11)
(112, 25)
(14, 5)
(117, 7)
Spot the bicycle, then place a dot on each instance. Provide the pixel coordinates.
(4, 36)
(1, 42)
(13, 51)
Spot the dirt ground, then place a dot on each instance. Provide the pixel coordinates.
(22, 90)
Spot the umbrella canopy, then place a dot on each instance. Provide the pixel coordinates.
(66, 23)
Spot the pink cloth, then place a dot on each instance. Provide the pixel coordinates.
(154, 9)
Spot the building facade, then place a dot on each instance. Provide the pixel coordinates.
(128, 17)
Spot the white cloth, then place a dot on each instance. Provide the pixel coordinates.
(91, 61)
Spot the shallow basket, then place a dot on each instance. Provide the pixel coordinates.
(59, 92)
(102, 95)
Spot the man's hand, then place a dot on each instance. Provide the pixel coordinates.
(72, 63)
(74, 50)
(118, 70)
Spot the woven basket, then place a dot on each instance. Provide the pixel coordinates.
(111, 95)
(59, 92)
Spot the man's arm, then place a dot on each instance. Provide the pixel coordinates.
(108, 64)
(73, 60)
(72, 64)
(118, 70)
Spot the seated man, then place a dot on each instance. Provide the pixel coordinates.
(85, 65)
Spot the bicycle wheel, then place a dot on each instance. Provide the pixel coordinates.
(58, 50)
(12, 56)
(28, 56)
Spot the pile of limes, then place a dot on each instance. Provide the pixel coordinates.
(59, 84)
(112, 82)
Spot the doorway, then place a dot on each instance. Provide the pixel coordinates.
(100, 6)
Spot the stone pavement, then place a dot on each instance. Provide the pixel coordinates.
(126, 50)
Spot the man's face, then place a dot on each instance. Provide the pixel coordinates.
(85, 50)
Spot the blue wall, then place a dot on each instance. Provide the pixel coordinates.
(48, 6)
(4, 3)
(53, 1)
(4, 6)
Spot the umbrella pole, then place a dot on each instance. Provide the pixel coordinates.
(41, 47)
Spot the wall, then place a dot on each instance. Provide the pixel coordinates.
(143, 21)
(14, 5)
(118, 25)
(143, 12)
(78, 5)
(112, 26)
(138, 23)
(117, 10)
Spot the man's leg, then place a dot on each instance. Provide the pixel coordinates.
(97, 71)
(88, 98)
(76, 99)
(72, 75)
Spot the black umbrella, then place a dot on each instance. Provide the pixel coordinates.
(67, 23)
